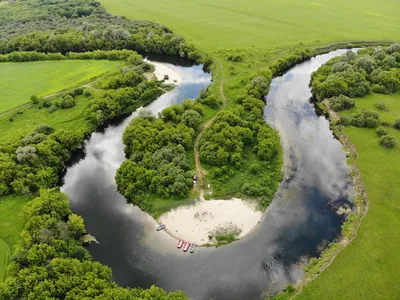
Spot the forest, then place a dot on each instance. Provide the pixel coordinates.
(356, 75)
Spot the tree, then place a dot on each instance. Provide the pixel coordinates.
(26, 154)
(388, 141)
(191, 118)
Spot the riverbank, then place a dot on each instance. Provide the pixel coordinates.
(166, 72)
(207, 220)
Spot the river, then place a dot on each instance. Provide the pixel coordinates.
(300, 221)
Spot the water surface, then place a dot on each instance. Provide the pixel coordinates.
(301, 219)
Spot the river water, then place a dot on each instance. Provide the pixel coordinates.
(300, 221)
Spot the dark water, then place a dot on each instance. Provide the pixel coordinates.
(300, 220)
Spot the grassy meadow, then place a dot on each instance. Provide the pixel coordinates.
(11, 224)
(269, 24)
(368, 268)
(45, 77)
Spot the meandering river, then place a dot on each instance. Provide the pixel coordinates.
(301, 219)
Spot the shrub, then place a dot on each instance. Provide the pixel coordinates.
(397, 124)
(34, 99)
(381, 132)
(67, 102)
(388, 141)
(43, 128)
(381, 105)
(77, 92)
(342, 102)
(87, 93)
(46, 103)
(52, 108)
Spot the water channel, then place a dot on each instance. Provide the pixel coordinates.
(300, 221)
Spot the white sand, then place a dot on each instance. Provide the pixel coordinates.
(162, 69)
(195, 223)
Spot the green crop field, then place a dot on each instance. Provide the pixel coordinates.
(11, 224)
(269, 24)
(369, 267)
(19, 81)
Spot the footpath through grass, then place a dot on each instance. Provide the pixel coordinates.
(368, 268)
(19, 81)
(11, 224)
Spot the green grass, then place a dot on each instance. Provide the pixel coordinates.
(19, 81)
(368, 268)
(11, 223)
(267, 23)
(30, 117)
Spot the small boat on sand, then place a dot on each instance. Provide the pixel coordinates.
(180, 244)
(192, 248)
(186, 246)
(161, 227)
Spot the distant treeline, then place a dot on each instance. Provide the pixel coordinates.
(25, 56)
(59, 26)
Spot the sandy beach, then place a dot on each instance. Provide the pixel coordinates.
(195, 223)
(162, 69)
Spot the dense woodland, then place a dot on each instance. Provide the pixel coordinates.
(51, 262)
(59, 26)
(354, 75)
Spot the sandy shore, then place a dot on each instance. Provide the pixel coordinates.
(162, 69)
(195, 223)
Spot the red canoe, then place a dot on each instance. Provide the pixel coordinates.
(186, 246)
(180, 244)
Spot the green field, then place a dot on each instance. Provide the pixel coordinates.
(11, 224)
(369, 267)
(19, 81)
(269, 24)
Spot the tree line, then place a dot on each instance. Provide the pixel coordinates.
(52, 263)
(59, 26)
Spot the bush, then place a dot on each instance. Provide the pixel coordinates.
(388, 141)
(52, 108)
(381, 132)
(342, 102)
(87, 93)
(381, 105)
(397, 124)
(67, 102)
(46, 103)
(34, 99)
(77, 92)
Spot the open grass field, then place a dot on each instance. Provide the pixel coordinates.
(19, 81)
(11, 224)
(369, 267)
(219, 24)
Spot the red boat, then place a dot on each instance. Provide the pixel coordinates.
(180, 244)
(186, 246)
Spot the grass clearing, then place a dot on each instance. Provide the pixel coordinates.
(219, 24)
(11, 224)
(19, 81)
(368, 267)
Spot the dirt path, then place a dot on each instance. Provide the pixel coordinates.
(199, 171)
